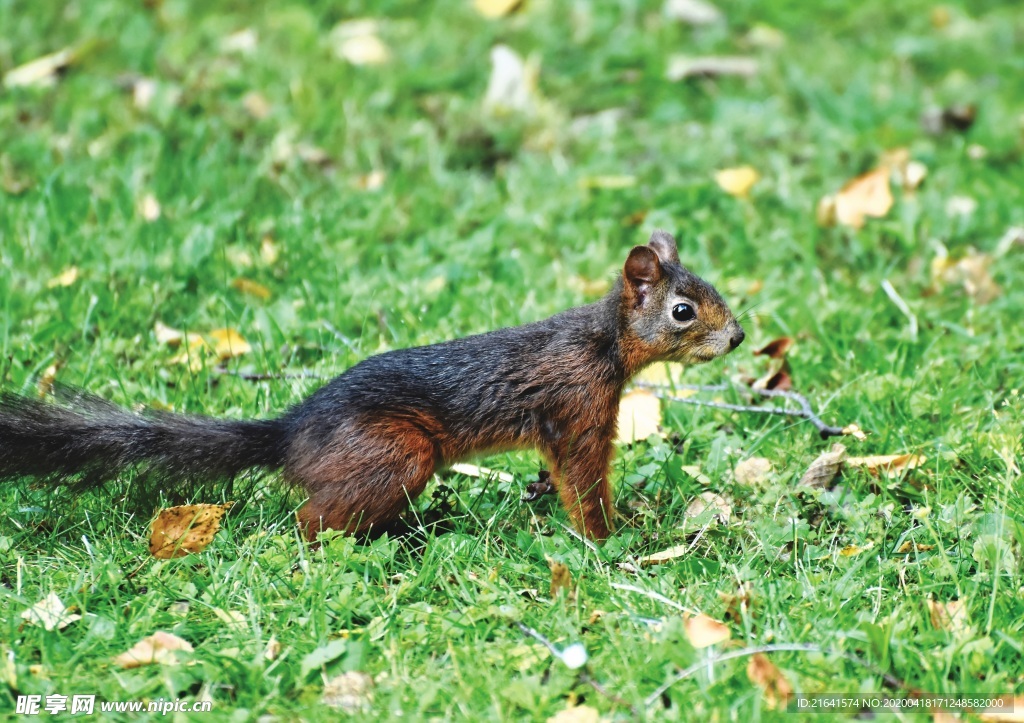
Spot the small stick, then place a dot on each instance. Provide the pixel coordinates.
(266, 376)
(651, 594)
(895, 297)
(805, 411)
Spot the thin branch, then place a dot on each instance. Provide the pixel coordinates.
(266, 376)
(651, 594)
(805, 411)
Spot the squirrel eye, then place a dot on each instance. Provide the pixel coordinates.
(683, 312)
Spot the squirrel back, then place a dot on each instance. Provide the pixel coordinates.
(368, 441)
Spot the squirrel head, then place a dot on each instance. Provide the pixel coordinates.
(668, 313)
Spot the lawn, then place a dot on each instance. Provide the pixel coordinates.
(328, 191)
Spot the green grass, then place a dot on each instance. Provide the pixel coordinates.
(484, 222)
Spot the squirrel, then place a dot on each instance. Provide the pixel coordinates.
(366, 443)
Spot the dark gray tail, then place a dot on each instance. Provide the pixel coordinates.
(87, 440)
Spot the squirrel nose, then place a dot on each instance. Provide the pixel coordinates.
(737, 338)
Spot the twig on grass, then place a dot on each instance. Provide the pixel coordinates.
(805, 411)
(267, 376)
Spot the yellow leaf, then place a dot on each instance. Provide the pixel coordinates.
(561, 579)
(179, 531)
(710, 501)
(160, 647)
(350, 692)
(228, 343)
(252, 288)
(47, 379)
(703, 631)
(576, 714)
(372, 181)
(496, 8)
(852, 550)
(664, 556)
(752, 471)
(891, 465)
(41, 71)
(909, 546)
(737, 181)
(173, 338)
(65, 278)
(639, 416)
(269, 252)
(50, 614)
(866, 195)
(193, 354)
(764, 673)
(825, 468)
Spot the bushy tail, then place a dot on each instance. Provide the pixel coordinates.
(87, 440)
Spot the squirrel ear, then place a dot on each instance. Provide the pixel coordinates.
(665, 246)
(641, 271)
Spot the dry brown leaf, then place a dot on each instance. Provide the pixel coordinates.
(576, 714)
(228, 343)
(639, 416)
(692, 12)
(350, 692)
(160, 647)
(710, 501)
(703, 631)
(738, 602)
(864, 196)
(910, 546)
(41, 72)
(65, 278)
(949, 616)
(149, 208)
(496, 8)
(891, 465)
(776, 348)
(179, 531)
(50, 614)
(825, 468)
(252, 288)
(681, 67)
(776, 378)
(664, 556)
(752, 471)
(356, 41)
(256, 105)
(1010, 710)
(763, 672)
(561, 579)
(737, 181)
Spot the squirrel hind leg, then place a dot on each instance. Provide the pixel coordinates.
(366, 480)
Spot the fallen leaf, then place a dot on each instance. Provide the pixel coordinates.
(47, 379)
(256, 105)
(350, 692)
(825, 468)
(854, 431)
(867, 195)
(737, 181)
(252, 288)
(50, 614)
(971, 271)
(664, 556)
(909, 546)
(372, 181)
(242, 41)
(512, 86)
(775, 379)
(65, 278)
(561, 579)
(1009, 710)
(356, 41)
(576, 714)
(949, 616)
(471, 470)
(180, 531)
(272, 649)
(710, 501)
(41, 72)
(228, 343)
(160, 647)
(703, 631)
(775, 349)
(639, 416)
(763, 672)
(913, 175)
(738, 602)
(193, 354)
(496, 8)
(852, 550)
(765, 37)
(692, 12)
(681, 67)
(269, 253)
(752, 471)
(143, 92)
(891, 465)
(149, 208)
(172, 337)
